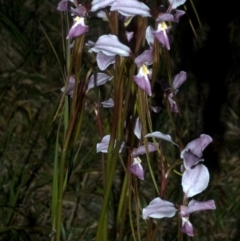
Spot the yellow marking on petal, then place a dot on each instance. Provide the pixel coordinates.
(162, 26)
(128, 20)
(77, 19)
(138, 160)
(145, 69)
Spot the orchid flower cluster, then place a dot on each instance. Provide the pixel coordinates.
(111, 51)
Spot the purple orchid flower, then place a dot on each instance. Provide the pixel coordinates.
(70, 87)
(98, 4)
(159, 208)
(131, 8)
(136, 168)
(78, 28)
(103, 145)
(193, 151)
(142, 79)
(98, 79)
(192, 207)
(175, 3)
(110, 46)
(108, 103)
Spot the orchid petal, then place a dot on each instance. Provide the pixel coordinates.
(177, 15)
(138, 128)
(63, 5)
(179, 79)
(142, 79)
(159, 208)
(145, 58)
(78, 28)
(156, 109)
(149, 36)
(176, 3)
(108, 103)
(195, 180)
(70, 87)
(173, 105)
(103, 60)
(103, 145)
(190, 160)
(131, 8)
(162, 37)
(98, 4)
(129, 36)
(97, 79)
(160, 135)
(165, 17)
(195, 206)
(198, 145)
(137, 169)
(111, 46)
(187, 227)
(142, 150)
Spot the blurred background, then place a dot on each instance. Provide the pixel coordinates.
(30, 82)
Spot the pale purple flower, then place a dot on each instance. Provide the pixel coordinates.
(78, 28)
(192, 207)
(98, 79)
(169, 16)
(138, 128)
(193, 151)
(142, 150)
(178, 80)
(195, 180)
(98, 4)
(70, 87)
(159, 208)
(63, 5)
(161, 34)
(160, 135)
(103, 60)
(103, 145)
(108, 103)
(136, 168)
(110, 46)
(131, 8)
(175, 3)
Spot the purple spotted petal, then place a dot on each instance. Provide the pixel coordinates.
(137, 169)
(159, 208)
(176, 3)
(187, 227)
(162, 37)
(98, 79)
(179, 79)
(108, 103)
(111, 46)
(195, 206)
(190, 160)
(195, 180)
(197, 146)
(145, 58)
(142, 150)
(78, 28)
(131, 8)
(98, 4)
(160, 135)
(103, 61)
